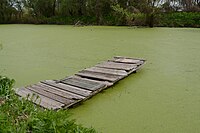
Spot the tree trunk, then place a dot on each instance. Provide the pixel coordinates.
(150, 19)
(98, 14)
(54, 8)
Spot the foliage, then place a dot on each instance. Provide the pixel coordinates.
(136, 19)
(5, 87)
(180, 19)
(19, 115)
(95, 12)
(124, 13)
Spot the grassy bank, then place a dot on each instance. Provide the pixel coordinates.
(19, 115)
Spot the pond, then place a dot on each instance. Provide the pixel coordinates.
(164, 96)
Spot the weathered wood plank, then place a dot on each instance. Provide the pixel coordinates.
(107, 71)
(57, 91)
(64, 92)
(119, 66)
(75, 80)
(127, 61)
(89, 85)
(38, 99)
(46, 93)
(71, 91)
(123, 57)
(106, 83)
(101, 76)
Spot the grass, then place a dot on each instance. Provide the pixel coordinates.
(20, 115)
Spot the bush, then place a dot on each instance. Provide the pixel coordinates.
(20, 115)
(180, 19)
(5, 87)
(140, 19)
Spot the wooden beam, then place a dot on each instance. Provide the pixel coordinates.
(123, 57)
(107, 71)
(44, 92)
(58, 88)
(89, 85)
(106, 83)
(127, 61)
(39, 99)
(118, 66)
(101, 76)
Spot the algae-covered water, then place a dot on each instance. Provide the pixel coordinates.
(163, 97)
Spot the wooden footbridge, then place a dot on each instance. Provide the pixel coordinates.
(67, 92)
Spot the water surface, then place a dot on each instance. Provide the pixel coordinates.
(163, 97)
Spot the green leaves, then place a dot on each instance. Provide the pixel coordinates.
(5, 86)
(180, 19)
(20, 115)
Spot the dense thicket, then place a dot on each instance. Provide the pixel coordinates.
(101, 12)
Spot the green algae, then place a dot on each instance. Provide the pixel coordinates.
(164, 96)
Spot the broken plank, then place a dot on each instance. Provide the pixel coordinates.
(119, 66)
(38, 99)
(46, 93)
(71, 91)
(127, 61)
(107, 71)
(123, 57)
(106, 83)
(89, 85)
(101, 76)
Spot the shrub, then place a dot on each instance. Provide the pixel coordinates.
(180, 19)
(20, 115)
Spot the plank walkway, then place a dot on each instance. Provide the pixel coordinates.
(67, 92)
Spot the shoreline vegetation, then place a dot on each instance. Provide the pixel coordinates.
(20, 115)
(159, 13)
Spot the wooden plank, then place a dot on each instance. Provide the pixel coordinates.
(68, 88)
(108, 71)
(140, 66)
(118, 66)
(42, 101)
(64, 92)
(106, 83)
(57, 91)
(75, 80)
(70, 91)
(101, 76)
(127, 61)
(46, 93)
(89, 85)
(123, 57)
